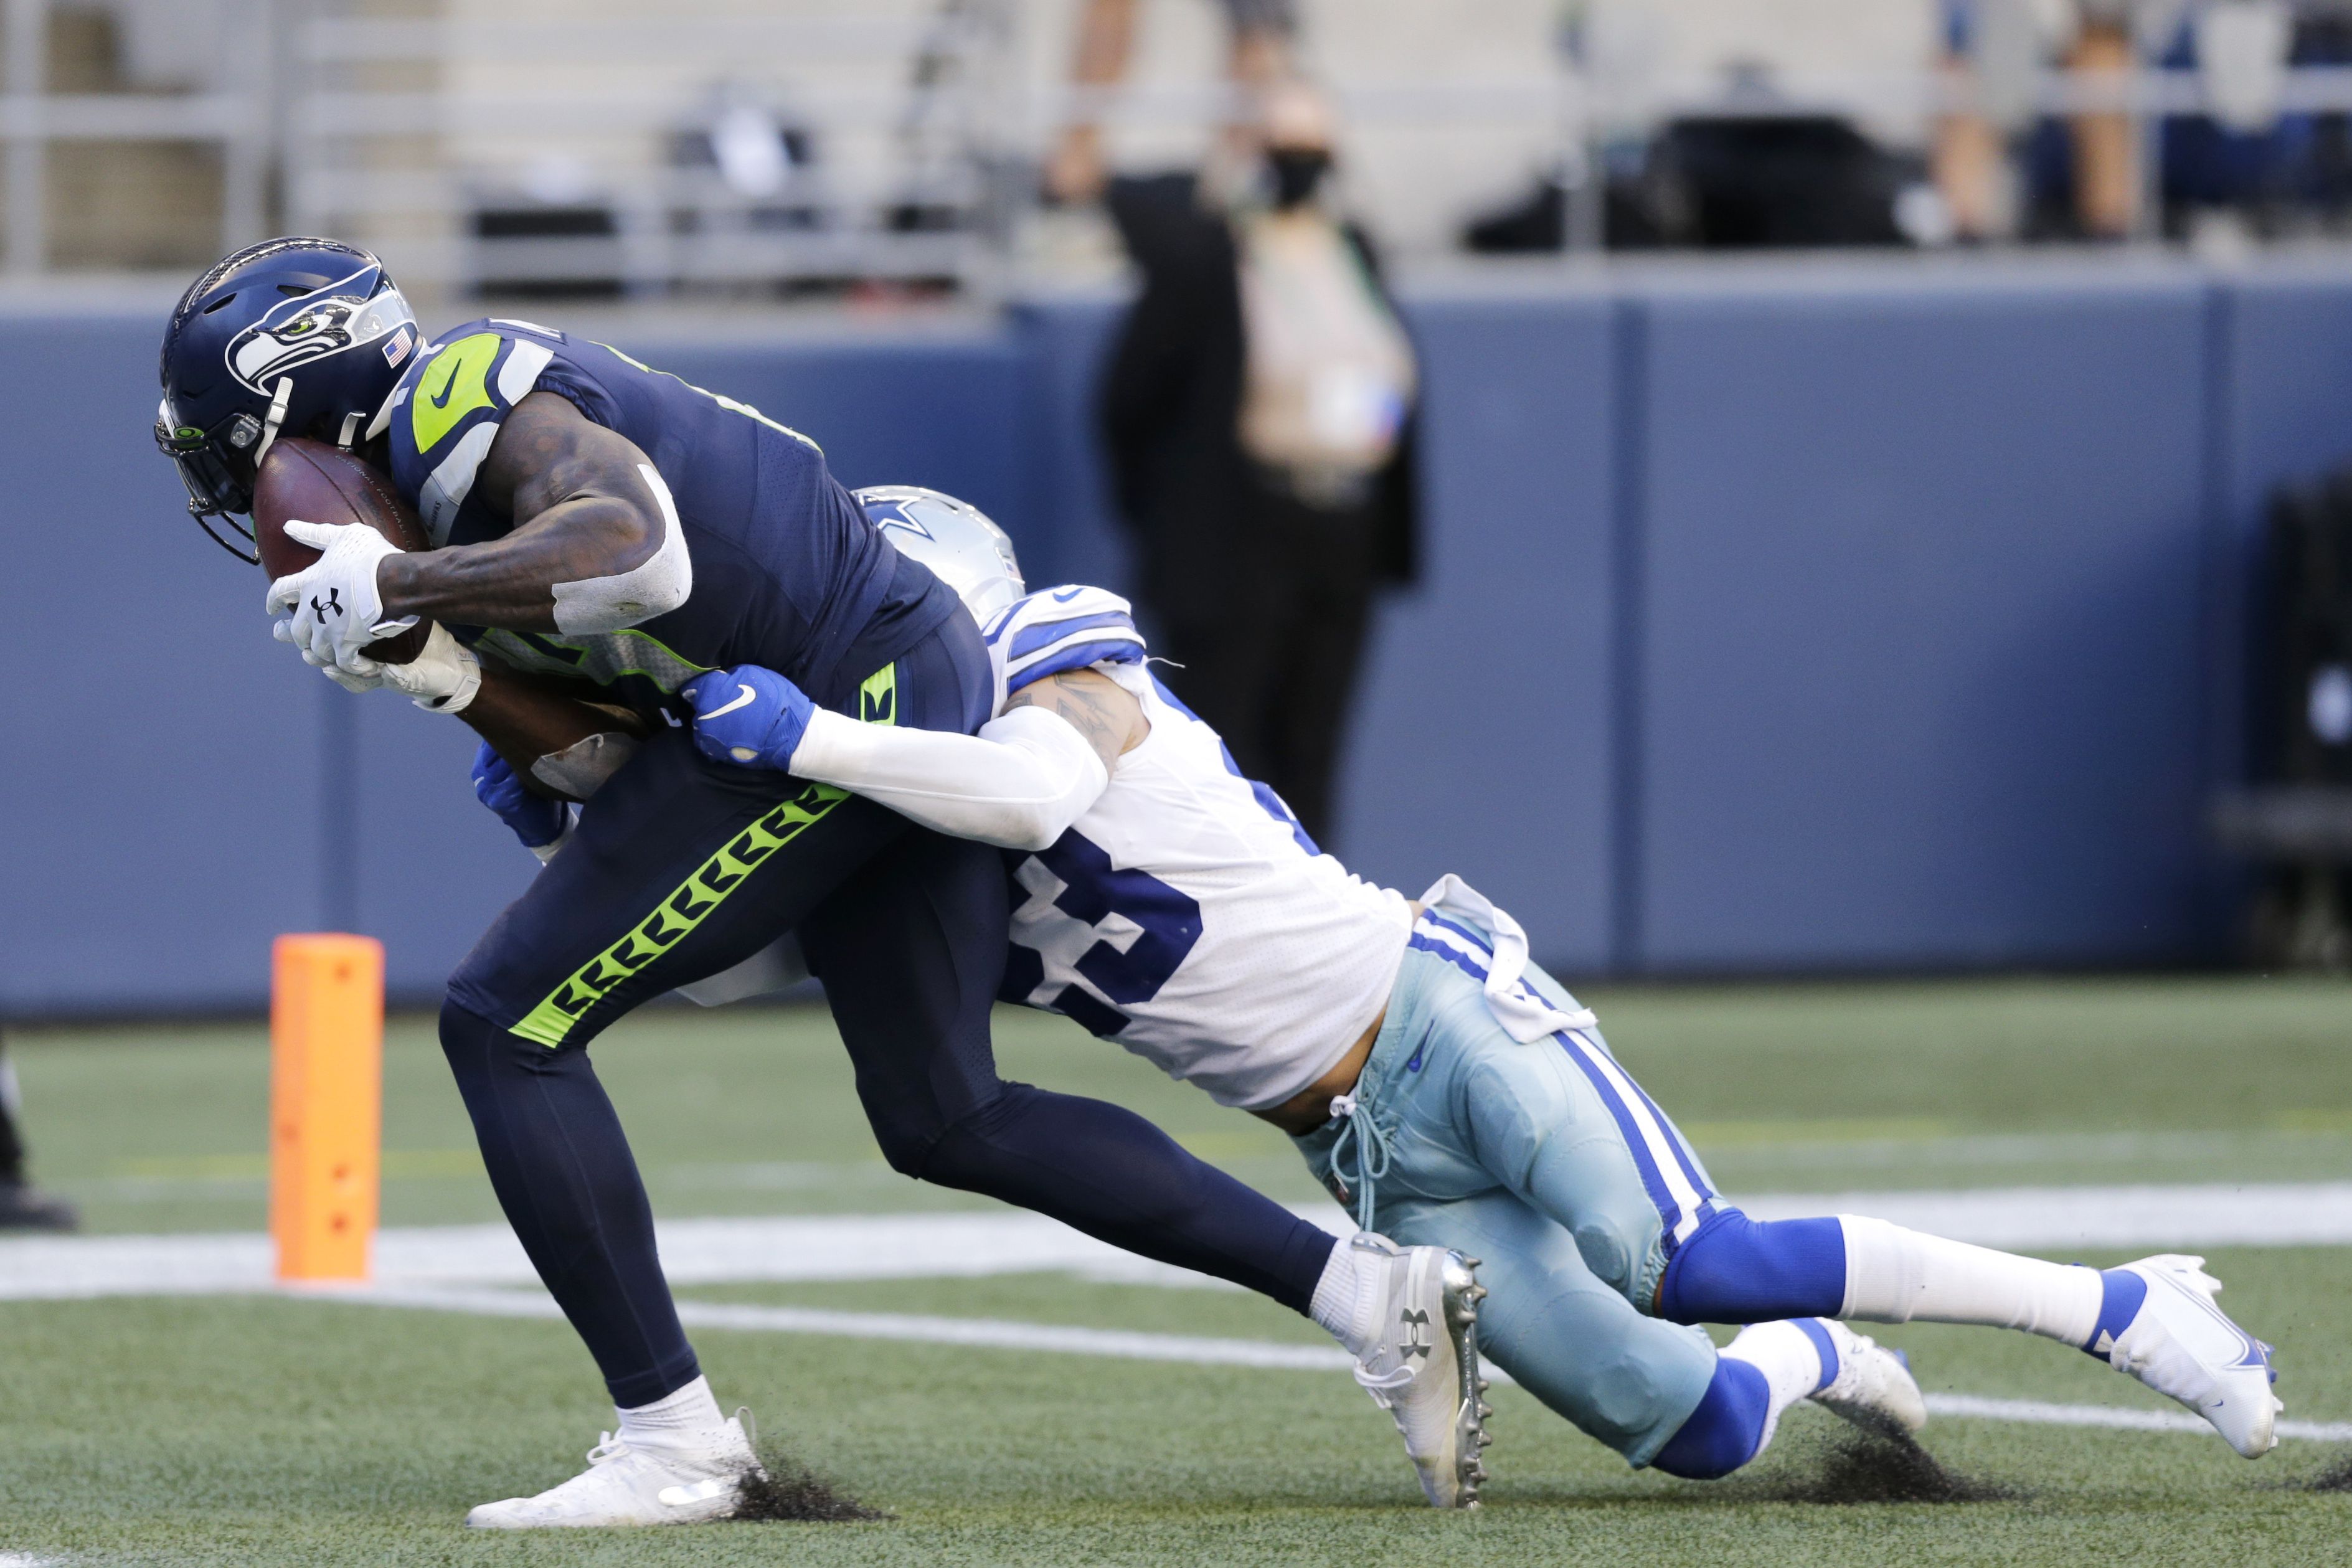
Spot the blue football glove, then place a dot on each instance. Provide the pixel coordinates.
(536, 820)
(748, 716)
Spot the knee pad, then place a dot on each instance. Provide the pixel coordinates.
(961, 1154)
(1734, 1270)
(467, 1040)
(905, 1148)
(1725, 1430)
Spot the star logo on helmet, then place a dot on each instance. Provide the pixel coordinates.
(898, 517)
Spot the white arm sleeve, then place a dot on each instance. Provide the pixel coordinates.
(1018, 784)
(655, 586)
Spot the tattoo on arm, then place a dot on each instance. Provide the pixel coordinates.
(580, 509)
(1094, 705)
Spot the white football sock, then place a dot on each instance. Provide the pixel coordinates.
(1347, 1302)
(1790, 1361)
(1898, 1276)
(681, 1419)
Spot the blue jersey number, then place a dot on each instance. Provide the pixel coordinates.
(1092, 890)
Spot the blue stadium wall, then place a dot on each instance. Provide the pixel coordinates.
(1774, 619)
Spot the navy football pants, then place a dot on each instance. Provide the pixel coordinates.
(681, 867)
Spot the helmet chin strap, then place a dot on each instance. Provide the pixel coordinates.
(277, 418)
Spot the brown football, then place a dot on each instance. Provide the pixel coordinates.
(313, 481)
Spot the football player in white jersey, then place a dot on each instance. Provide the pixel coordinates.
(1436, 1079)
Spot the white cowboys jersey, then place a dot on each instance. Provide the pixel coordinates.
(1187, 915)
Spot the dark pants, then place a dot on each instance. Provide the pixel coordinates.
(1272, 666)
(682, 868)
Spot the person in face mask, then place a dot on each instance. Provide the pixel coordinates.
(1258, 417)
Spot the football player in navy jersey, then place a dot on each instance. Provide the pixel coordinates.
(598, 523)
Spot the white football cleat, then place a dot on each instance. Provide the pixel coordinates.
(1874, 1387)
(2183, 1345)
(631, 1484)
(1424, 1370)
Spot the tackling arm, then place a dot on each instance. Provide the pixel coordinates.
(1019, 784)
(596, 544)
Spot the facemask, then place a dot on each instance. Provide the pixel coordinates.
(1296, 172)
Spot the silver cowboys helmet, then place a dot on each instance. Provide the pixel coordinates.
(954, 538)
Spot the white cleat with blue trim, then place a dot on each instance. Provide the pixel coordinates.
(1874, 1387)
(633, 1484)
(2183, 1345)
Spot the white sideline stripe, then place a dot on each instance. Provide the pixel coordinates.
(1122, 1344)
(693, 1251)
(19, 1560)
(990, 1333)
(975, 1243)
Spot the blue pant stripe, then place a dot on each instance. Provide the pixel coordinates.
(1653, 1180)
(1674, 1140)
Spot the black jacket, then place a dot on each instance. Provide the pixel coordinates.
(1171, 405)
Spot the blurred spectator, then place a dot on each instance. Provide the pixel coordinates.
(2086, 175)
(1993, 50)
(1257, 416)
(23, 1206)
(1260, 55)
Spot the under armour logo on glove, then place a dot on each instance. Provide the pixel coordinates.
(339, 589)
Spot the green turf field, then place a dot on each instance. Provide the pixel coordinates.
(270, 1431)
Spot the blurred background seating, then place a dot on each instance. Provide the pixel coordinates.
(1908, 599)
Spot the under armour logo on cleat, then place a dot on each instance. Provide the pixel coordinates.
(1416, 1335)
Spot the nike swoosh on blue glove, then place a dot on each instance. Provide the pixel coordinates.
(750, 716)
(536, 820)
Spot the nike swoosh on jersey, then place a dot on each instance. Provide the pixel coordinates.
(748, 697)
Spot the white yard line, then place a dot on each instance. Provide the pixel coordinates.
(931, 1246)
(993, 1333)
(2041, 1413)
(2297, 1214)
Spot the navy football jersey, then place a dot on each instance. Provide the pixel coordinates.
(787, 572)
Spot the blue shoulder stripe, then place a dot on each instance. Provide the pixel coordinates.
(1076, 656)
(1038, 635)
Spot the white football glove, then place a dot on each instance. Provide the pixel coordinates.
(442, 678)
(336, 607)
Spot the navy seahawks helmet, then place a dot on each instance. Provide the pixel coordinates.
(954, 538)
(293, 337)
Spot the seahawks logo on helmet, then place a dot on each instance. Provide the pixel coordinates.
(311, 326)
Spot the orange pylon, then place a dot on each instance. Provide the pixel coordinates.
(326, 1103)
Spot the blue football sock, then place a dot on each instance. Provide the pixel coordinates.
(1734, 1270)
(1726, 1428)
